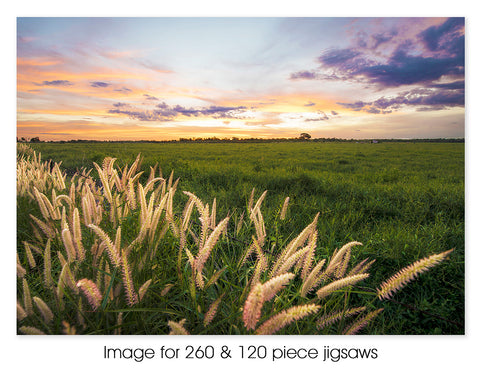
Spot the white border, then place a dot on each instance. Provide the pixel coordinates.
(82, 351)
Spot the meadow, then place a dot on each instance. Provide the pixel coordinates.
(403, 201)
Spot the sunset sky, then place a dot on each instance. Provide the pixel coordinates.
(171, 78)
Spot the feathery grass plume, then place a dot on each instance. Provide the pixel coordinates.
(132, 297)
(105, 183)
(313, 278)
(341, 283)
(55, 208)
(283, 212)
(294, 245)
(288, 263)
(59, 178)
(176, 328)
(77, 235)
(87, 215)
(131, 197)
(258, 203)
(41, 204)
(44, 310)
(63, 197)
(361, 267)
(286, 317)
(215, 277)
(27, 298)
(67, 329)
(307, 263)
(204, 221)
(187, 212)
(90, 290)
(21, 272)
(47, 265)
(143, 289)
(28, 252)
(260, 294)
(29, 330)
(21, 314)
(338, 257)
(250, 201)
(166, 289)
(112, 250)
(362, 322)
(143, 203)
(61, 258)
(54, 213)
(260, 267)
(342, 266)
(207, 248)
(331, 318)
(169, 214)
(407, 274)
(239, 223)
(67, 278)
(151, 183)
(252, 308)
(212, 310)
(46, 228)
(68, 244)
(274, 285)
(213, 214)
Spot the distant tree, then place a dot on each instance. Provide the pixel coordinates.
(35, 140)
(305, 136)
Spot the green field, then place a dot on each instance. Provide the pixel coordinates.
(402, 201)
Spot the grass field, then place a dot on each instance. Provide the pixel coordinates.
(402, 201)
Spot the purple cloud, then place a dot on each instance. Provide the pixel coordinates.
(356, 106)
(123, 89)
(99, 84)
(404, 66)
(403, 69)
(338, 57)
(303, 75)
(150, 97)
(62, 82)
(441, 37)
(425, 99)
(164, 112)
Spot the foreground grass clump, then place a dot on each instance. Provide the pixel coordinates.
(110, 253)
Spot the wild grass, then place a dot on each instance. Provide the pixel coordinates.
(115, 250)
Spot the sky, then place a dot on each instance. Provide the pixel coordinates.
(169, 78)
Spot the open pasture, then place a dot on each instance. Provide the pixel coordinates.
(402, 201)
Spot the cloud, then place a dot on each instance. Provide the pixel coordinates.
(303, 75)
(426, 57)
(381, 38)
(309, 104)
(149, 97)
(440, 97)
(164, 112)
(99, 84)
(356, 106)
(338, 57)
(123, 89)
(62, 82)
(403, 69)
(443, 36)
